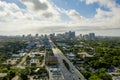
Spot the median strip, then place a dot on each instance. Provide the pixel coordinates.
(66, 64)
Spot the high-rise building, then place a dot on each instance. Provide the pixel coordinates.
(92, 36)
(80, 37)
(59, 36)
(86, 37)
(36, 35)
(52, 35)
(29, 36)
(71, 35)
(23, 36)
(66, 35)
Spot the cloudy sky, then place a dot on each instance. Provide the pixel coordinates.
(48, 16)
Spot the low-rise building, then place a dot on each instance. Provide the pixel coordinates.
(71, 56)
(22, 54)
(33, 59)
(2, 75)
(16, 56)
(11, 61)
(115, 78)
(51, 60)
(85, 54)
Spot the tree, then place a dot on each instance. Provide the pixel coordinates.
(28, 58)
(8, 66)
(66, 64)
(94, 78)
(33, 64)
(104, 76)
(102, 70)
(23, 76)
(10, 75)
(41, 58)
(24, 73)
(86, 74)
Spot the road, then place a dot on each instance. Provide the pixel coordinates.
(16, 77)
(23, 60)
(73, 74)
(20, 65)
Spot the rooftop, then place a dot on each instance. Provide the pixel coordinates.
(3, 74)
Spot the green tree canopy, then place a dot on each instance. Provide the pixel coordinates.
(94, 78)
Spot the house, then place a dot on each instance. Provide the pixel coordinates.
(16, 56)
(85, 54)
(2, 75)
(33, 59)
(38, 53)
(79, 46)
(111, 69)
(22, 54)
(56, 74)
(71, 56)
(115, 78)
(11, 61)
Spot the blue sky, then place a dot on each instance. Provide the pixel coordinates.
(79, 5)
(17, 2)
(39, 14)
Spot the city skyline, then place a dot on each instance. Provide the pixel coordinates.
(47, 16)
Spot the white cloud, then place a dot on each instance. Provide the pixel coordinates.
(41, 8)
(41, 14)
(103, 14)
(103, 17)
(74, 15)
(107, 3)
(36, 4)
(11, 12)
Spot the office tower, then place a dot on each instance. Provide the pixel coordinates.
(71, 35)
(92, 36)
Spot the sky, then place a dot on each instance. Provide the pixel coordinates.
(19, 17)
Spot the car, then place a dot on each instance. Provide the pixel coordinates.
(79, 79)
(73, 78)
(72, 71)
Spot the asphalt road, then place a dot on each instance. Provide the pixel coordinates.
(67, 74)
(73, 74)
